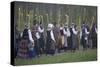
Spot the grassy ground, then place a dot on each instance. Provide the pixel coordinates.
(88, 55)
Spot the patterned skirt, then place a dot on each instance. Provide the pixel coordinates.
(23, 49)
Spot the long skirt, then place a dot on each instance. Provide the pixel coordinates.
(50, 47)
(61, 42)
(23, 49)
(65, 41)
(74, 42)
(69, 41)
(94, 40)
(84, 43)
(62, 45)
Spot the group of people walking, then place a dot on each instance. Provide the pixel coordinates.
(55, 38)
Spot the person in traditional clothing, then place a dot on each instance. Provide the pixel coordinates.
(64, 32)
(31, 49)
(36, 37)
(88, 35)
(56, 31)
(94, 36)
(61, 39)
(84, 36)
(74, 33)
(70, 38)
(50, 40)
(26, 39)
(41, 39)
(66, 36)
(23, 47)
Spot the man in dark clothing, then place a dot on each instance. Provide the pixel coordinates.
(94, 36)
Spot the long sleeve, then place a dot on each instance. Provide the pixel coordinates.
(68, 33)
(30, 36)
(40, 30)
(37, 35)
(52, 36)
(75, 32)
(65, 32)
(86, 31)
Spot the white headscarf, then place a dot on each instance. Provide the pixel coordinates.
(50, 26)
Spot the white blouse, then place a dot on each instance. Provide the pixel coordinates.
(30, 36)
(86, 31)
(40, 30)
(52, 36)
(68, 32)
(74, 31)
(37, 35)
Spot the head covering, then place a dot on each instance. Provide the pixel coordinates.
(50, 26)
(27, 25)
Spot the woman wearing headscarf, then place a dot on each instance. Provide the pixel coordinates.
(66, 36)
(24, 47)
(74, 37)
(50, 40)
(61, 38)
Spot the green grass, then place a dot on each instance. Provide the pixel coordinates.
(89, 55)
